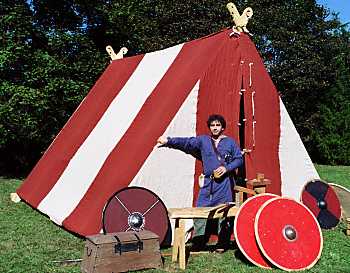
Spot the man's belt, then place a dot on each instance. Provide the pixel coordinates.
(220, 179)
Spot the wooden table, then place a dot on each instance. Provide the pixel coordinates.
(181, 214)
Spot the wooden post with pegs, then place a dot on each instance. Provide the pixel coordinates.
(259, 183)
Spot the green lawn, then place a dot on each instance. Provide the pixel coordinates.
(30, 242)
(339, 175)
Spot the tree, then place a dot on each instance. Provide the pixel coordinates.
(45, 73)
(16, 29)
(298, 45)
(52, 52)
(331, 133)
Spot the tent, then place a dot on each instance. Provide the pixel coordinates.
(109, 142)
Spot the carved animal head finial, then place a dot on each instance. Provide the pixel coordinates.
(124, 50)
(233, 10)
(117, 56)
(248, 12)
(240, 20)
(110, 50)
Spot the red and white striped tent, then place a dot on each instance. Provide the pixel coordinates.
(109, 142)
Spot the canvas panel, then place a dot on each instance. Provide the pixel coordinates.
(261, 105)
(296, 166)
(168, 172)
(91, 155)
(219, 93)
(56, 158)
(129, 154)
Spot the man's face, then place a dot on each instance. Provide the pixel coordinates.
(215, 128)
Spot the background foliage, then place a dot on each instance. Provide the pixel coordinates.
(52, 52)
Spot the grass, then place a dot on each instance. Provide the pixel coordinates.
(31, 243)
(339, 175)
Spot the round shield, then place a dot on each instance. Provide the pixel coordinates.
(244, 229)
(135, 209)
(321, 199)
(288, 234)
(343, 195)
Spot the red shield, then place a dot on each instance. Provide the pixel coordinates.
(244, 229)
(135, 209)
(288, 234)
(322, 200)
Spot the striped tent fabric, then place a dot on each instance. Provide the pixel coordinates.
(109, 141)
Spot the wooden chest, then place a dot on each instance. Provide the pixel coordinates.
(120, 252)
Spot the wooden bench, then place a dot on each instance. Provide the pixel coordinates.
(181, 214)
(254, 186)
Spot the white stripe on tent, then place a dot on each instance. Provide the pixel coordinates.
(86, 163)
(295, 164)
(154, 174)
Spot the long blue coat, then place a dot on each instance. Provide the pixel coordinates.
(214, 191)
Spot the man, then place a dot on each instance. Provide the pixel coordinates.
(220, 156)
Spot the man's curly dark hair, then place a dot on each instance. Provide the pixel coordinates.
(217, 117)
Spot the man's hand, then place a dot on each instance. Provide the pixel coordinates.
(162, 140)
(219, 172)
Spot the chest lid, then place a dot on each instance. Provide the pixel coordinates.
(117, 237)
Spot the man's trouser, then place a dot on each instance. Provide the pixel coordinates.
(202, 229)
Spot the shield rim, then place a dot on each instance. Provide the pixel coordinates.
(334, 185)
(339, 186)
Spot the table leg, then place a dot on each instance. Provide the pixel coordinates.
(176, 241)
(182, 247)
(179, 243)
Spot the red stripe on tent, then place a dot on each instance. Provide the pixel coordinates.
(219, 93)
(128, 156)
(50, 167)
(264, 157)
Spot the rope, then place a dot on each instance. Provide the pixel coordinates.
(250, 74)
(254, 121)
(253, 102)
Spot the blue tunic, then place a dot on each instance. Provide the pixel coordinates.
(214, 191)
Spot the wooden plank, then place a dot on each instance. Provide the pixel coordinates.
(209, 209)
(246, 190)
(202, 212)
(257, 183)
